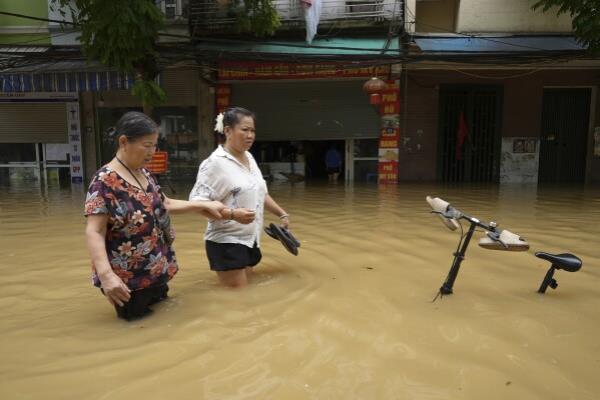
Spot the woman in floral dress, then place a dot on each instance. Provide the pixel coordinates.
(128, 232)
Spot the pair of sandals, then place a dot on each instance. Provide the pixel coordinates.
(286, 238)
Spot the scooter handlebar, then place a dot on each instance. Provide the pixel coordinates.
(503, 240)
(445, 211)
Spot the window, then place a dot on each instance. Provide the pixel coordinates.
(173, 9)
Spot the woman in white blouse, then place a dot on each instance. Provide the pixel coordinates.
(230, 174)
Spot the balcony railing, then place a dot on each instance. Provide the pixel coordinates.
(207, 16)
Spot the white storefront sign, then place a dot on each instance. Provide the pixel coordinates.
(75, 142)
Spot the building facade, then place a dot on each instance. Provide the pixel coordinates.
(517, 83)
(310, 98)
(476, 91)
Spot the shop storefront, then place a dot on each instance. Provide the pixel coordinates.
(179, 120)
(40, 137)
(302, 112)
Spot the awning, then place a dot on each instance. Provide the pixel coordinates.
(375, 47)
(65, 76)
(499, 44)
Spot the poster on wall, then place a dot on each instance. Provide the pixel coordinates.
(74, 130)
(520, 160)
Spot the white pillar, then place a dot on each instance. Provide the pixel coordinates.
(410, 15)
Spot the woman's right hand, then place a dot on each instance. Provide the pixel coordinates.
(115, 290)
(243, 215)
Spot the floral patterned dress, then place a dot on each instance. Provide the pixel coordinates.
(137, 247)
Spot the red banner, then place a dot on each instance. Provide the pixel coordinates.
(390, 99)
(231, 70)
(389, 136)
(388, 171)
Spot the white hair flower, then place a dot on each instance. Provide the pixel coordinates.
(219, 123)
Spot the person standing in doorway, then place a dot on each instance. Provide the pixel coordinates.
(333, 163)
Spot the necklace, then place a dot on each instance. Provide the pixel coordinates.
(131, 173)
(162, 224)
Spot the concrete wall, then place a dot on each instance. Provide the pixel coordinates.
(508, 16)
(14, 30)
(521, 115)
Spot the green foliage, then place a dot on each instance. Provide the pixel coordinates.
(122, 35)
(586, 18)
(149, 90)
(256, 16)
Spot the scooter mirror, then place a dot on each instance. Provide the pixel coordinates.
(512, 241)
(440, 206)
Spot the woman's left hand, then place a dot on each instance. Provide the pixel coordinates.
(285, 221)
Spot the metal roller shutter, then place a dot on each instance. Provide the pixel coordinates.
(308, 110)
(33, 123)
(181, 85)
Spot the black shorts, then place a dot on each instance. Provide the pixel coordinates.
(333, 170)
(140, 300)
(230, 256)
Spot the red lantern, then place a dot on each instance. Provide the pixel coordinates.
(374, 85)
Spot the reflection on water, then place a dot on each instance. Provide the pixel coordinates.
(350, 318)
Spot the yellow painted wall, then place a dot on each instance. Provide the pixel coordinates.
(508, 16)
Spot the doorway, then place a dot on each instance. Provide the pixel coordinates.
(469, 134)
(315, 154)
(564, 130)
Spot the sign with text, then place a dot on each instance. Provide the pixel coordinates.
(231, 70)
(389, 136)
(74, 130)
(388, 172)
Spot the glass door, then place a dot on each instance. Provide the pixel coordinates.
(362, 157)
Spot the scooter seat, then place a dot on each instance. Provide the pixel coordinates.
(566, 261)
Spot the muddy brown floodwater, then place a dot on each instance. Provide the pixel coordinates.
(350, 318)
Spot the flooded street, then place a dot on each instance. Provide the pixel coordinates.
(350, 318)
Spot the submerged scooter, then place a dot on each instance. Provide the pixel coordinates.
(495, 239)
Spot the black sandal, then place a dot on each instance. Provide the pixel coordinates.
(286, 238)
